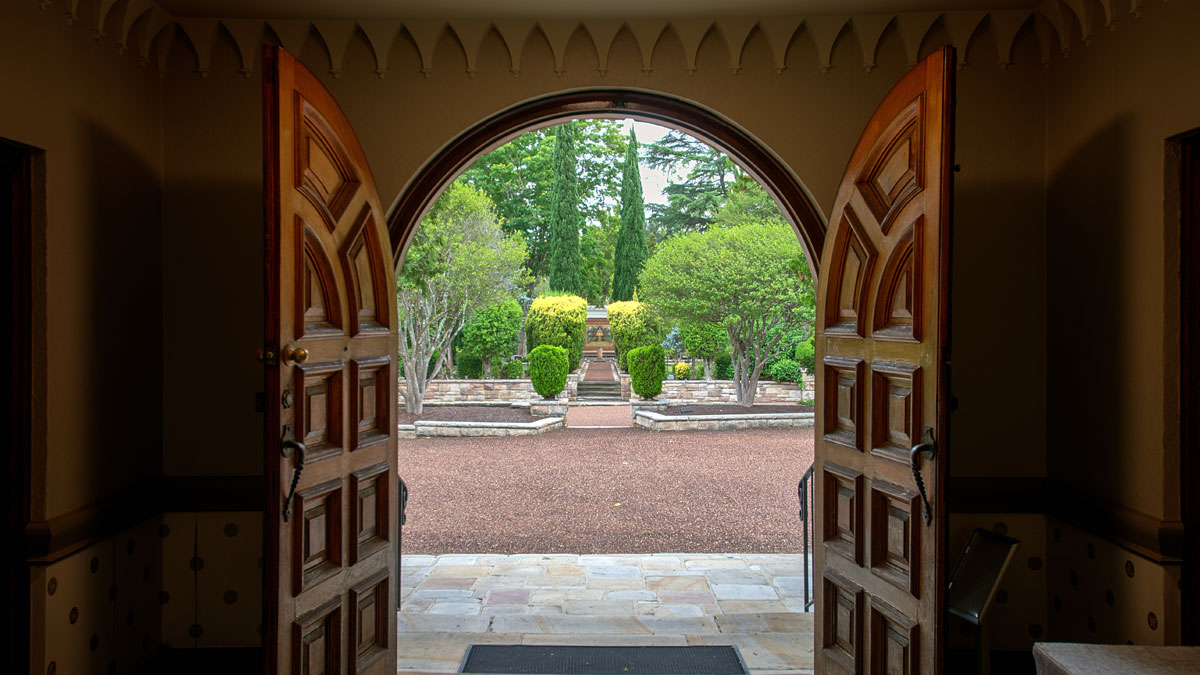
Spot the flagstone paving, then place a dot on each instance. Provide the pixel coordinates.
(754, 601)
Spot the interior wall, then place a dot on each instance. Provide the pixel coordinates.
(1113, 283)
(1113, 334)
(98, 343)
(97, 115)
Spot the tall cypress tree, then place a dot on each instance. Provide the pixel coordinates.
(566, 218)
(630, 254)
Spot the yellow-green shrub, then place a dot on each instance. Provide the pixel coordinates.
(559, 320)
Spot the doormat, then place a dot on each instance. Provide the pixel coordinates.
(571, 660)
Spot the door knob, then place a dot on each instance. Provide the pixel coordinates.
(293, 354)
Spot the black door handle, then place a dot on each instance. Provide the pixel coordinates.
(290, 445)
(927, 449)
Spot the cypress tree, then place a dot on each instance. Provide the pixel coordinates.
(566, 219)
(630, 254)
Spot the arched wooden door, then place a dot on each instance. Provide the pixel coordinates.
(882, 334)
(330, 357)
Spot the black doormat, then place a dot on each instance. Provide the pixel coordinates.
(568, 660)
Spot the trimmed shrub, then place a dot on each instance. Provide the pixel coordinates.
(806, 356)
(469, 366)
(512, 370)
(633, 325)
(558, 320)
(724, 367)
(784, 370)
(548, 370)
(647, 370)
(683, 371)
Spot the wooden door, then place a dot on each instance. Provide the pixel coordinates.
(882, 337)
(331, 389)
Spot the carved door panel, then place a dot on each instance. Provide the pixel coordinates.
(331, 389)
(882, 336)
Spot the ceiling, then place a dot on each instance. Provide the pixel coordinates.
(400, 9)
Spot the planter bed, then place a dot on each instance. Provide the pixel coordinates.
(720, 417)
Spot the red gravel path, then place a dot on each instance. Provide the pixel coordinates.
(717, 491)
(599, 416)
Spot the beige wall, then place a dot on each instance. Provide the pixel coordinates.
(97, 115)
(1112, 339)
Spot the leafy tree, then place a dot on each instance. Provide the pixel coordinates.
(565, 218)
(694, 200)
(518, 176)
(631, 254)
(705, 341)
(633, 325)
(492, 333)
(459, 261)
(751, 279)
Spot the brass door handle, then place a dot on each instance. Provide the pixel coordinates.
(293, 354)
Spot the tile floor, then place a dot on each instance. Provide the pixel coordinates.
(754, 601)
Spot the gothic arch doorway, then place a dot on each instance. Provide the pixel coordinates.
(712, 128)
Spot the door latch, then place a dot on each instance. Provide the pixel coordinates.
(289, 448)
(926, 449)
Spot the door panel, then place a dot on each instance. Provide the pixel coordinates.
(882, 337)
(330, 383)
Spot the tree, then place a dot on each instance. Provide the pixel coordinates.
(560, 320)
(518, 177)
(492, 333)
(752, 279)
(705, 341)
(630, 255)
(692, 202)
(459, 261)
(565, 218)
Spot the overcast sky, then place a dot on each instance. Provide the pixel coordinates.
(653, 180)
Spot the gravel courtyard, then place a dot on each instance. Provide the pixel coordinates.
(606, 491)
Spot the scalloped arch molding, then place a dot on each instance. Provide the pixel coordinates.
(153, 30)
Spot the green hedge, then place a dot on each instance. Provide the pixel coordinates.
(784, 370)
(469, 367)
(548, 370)
(559, 320)
(724, 366)
(633, 325)
(683, 371)
(512, 370)
(647, 370)
(806, 356)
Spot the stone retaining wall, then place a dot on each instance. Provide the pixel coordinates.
(723, 391)
(458, 391)
(432, 429)
(648, 419)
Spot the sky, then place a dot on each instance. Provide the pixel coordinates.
(653, 180)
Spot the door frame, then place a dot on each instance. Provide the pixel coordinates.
(436, 174)
(19, 165)
(1183, 154)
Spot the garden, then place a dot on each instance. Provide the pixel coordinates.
(705, 291)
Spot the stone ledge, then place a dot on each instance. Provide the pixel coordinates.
(437, 428)
(653, 421)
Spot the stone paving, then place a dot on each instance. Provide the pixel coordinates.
(754, 601)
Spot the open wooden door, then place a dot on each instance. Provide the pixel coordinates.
(330, 354)
(882, 336)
